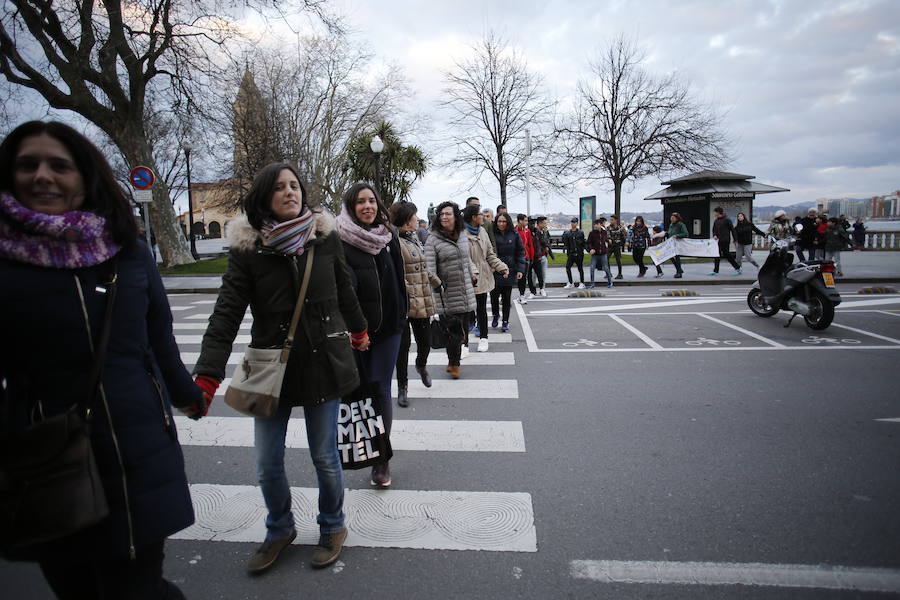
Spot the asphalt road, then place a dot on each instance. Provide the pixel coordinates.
(629, 446)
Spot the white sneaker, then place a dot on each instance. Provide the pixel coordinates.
(544, 292)
(568, 286)
(580, 286)
(523, 300)
(483, 345)
(529, 296)
(465, 352)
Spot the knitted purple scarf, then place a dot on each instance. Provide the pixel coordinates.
(371, 241)
(67, 241)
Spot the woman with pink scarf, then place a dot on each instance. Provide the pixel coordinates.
(376, 269)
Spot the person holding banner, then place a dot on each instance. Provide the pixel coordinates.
(267, 257)
(657, 237)
(721, 230)
(677, 230)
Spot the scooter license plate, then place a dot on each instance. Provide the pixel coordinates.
(829, 279)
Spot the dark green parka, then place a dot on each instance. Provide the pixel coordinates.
(321, 365)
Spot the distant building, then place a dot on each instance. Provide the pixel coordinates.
(695, 196)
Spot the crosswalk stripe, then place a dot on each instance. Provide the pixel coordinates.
(436, 358)
(413, 435)
(202, 326)
(445, 388)
(198, 339)
(428, 520)
(462, 388)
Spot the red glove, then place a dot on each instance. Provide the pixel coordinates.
(360, 340)
(209, 387)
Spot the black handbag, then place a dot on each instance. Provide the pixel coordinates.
(363, 440)
(50, 486)
(442, 328)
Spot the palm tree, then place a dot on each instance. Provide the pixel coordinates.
(400, 165)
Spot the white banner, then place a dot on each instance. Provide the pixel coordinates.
(682, 247)
(663, 252)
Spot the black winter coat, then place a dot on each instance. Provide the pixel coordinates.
(743, 232)
(321, 365)
(511, 251)
(380, 288)
(722, 228)
(45, 356)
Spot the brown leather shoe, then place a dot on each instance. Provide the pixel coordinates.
(328, 549)
(454, 371)
(268, 552)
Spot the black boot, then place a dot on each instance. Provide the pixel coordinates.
(423, 373)
(402, 398)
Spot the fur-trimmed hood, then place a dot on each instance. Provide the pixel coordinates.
(242, 236)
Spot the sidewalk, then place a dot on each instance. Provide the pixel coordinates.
(858, 267)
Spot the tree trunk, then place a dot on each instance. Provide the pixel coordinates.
(173, 246)
(617, 202)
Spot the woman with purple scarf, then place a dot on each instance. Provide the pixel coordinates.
(69, 245)
(376, 267)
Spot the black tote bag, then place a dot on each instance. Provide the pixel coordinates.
(362, 439)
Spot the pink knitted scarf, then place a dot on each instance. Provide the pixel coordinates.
(68, 241)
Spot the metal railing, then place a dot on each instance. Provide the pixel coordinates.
(875, 240)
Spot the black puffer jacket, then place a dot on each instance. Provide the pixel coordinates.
(512, 252)
(45, 355)
(380, 288)
(321, 365)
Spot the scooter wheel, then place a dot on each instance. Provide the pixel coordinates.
(758, 304)
(821, 312)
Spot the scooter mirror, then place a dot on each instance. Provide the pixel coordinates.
(798, 227)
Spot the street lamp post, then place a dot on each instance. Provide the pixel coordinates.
(377, 147)
(187, 158)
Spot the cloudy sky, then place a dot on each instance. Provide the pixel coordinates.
(810, 88)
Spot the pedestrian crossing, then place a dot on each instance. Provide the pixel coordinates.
(501, 521)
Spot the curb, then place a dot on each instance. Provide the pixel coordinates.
(670, 293)
(877, 290)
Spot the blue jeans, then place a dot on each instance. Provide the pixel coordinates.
(600, 261)
(321, 432)
(378, 362)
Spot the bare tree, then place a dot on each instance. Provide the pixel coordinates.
(494, 100)
(628, 123)
(333, 98)
(104, 61)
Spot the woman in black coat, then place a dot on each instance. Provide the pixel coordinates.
(511, 251)
(376, 269)
(65, 230)
(269, 250)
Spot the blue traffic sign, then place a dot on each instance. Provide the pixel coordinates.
(142, 178)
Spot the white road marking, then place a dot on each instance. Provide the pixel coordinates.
(432, 520)
(494, 338)
(434, 359)
(744, 331)
(873, 302)
(203, 302)
(895, 420)
(190, 358)
(644, 337)
(414, 435)
(617, 307)
(198, 339)
(706, 573)
(183, 326)
(462, 388)
(526, 328)
(887, 312)
(868, 333)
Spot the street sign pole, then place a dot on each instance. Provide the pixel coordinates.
(142, 179)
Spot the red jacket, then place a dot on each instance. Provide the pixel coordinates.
(527, 241)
